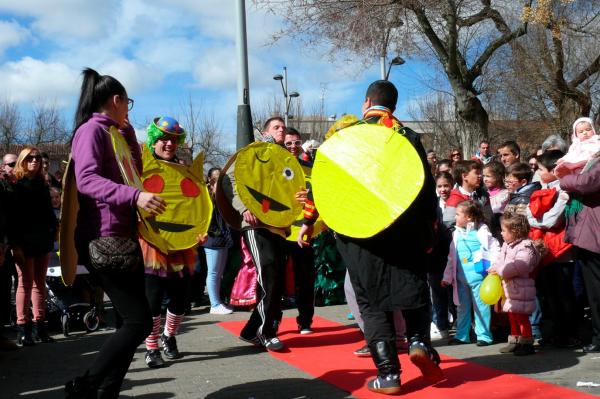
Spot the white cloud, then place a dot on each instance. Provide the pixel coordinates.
(11, 34)
(74, 18)
(29, 79)
(134, 75)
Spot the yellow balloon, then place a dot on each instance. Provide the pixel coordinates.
(267, 178)
(364, 177)
(490, 290)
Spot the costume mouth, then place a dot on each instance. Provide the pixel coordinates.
(168, 226)
(260, 160)
(268, 204)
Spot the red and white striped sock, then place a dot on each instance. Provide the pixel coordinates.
(172, 324)
(152, 339)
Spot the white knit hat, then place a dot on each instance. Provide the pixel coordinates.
(582, 120)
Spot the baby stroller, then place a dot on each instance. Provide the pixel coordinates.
(75, 303)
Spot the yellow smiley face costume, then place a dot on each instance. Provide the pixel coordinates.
(267, 178)
(189, 208)
(364, 177)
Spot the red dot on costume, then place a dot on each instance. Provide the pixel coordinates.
(154, 184)
(388, 122)
(189, 188)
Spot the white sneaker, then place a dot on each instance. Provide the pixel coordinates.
(220, 309)
(438, 334)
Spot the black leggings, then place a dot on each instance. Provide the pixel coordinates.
(175, 288)
(126, 292)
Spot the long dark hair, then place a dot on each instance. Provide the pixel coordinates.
(96, 89)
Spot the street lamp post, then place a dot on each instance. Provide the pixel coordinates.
(244, 116)
(395, 61)
(287, 95)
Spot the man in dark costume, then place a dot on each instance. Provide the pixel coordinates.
(389, 270)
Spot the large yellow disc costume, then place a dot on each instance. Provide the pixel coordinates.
(189, 207)
(364, 177)
(267, 178)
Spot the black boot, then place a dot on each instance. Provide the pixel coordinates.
(385, 356)
(422, 354)
(24, 335)
(80, 388)
(41, 332)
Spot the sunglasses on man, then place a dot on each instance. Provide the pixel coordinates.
(11, 164)
(295, 143)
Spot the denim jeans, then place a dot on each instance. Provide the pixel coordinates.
(216, 259)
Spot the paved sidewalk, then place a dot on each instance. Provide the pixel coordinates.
(217, 365)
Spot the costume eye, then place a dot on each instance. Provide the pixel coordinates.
(288, 173)
(189, 188)
(154, 184)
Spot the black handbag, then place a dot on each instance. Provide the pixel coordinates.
(115, 254)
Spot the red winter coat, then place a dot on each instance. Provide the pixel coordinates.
(541, 202)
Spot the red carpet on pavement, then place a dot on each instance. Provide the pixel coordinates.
(327, 355)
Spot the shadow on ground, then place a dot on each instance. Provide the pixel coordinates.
(285, 388)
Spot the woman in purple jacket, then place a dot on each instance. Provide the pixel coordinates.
(108, 209)
(582, 231)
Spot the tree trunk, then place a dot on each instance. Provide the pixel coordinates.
(474, 119)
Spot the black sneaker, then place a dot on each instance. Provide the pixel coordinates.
(274, 345)
(305, 330)
(386, 384)
(363, 352)
(169, 345)
(251, 340)
(153, 359)
(456, 341)
(427, 360)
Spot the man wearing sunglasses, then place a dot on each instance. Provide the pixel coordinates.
(7, 266)
(303, 258)
(9, 161)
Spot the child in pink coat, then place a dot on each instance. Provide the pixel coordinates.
(518, 258)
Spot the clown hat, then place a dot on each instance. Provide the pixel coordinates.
(168, 125)
(164, 125)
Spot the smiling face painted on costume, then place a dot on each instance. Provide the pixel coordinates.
(189, 206)
(267, 179)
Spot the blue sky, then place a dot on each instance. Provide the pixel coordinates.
(165, 51)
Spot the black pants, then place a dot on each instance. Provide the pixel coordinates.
(7, 270)
(414, 303)
(555, 281)
(126, 292)
(175, 288)
(303, 260)
(590, 262)
(268, 254)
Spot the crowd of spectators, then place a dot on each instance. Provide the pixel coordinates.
(486, 202)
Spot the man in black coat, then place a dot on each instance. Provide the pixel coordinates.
(389, 270)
